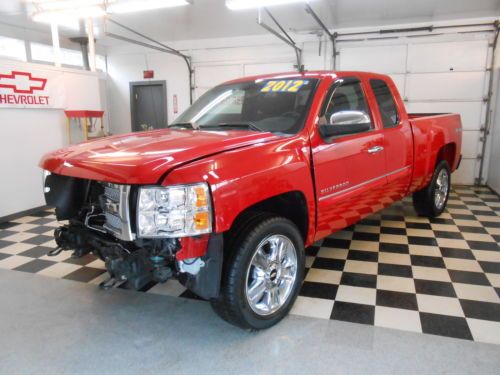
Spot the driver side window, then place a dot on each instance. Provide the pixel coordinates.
(347, 111)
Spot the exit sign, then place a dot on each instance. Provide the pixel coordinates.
(148, 74)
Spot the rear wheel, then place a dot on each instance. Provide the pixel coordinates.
(431, 201)
(263, 274)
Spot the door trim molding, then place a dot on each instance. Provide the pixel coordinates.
(364, 183)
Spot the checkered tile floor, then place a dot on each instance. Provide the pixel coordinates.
(393, 269)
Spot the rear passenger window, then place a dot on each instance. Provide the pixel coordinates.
(386, 104)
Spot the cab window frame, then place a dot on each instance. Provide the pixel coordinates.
(393, 100)
(329, 96)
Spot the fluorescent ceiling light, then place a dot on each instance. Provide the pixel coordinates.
(66, 4)
(64, 15)
(248, 4)
(141, 5)
(65, 11)
(70, 24)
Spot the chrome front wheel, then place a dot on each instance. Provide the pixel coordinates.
(441, 189)
(271, 274)
(264, 269)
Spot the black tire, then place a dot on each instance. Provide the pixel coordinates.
(423, 200)
(232, 305)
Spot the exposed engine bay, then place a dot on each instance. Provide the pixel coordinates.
(100, 222)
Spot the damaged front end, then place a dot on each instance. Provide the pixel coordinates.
(142, 234)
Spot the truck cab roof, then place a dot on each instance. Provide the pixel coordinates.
(314, 74)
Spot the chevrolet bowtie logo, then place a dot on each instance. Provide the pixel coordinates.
(22, 82)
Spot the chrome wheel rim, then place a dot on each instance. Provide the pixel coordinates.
(441, 191)
(271, 274)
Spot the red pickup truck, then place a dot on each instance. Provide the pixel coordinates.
(228, 197)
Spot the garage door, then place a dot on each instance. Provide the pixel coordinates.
(209, 76)
(255, 69)
(434, 74)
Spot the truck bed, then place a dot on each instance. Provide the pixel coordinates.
(434, 133)
(414, 116)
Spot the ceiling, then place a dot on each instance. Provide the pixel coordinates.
(211, 18)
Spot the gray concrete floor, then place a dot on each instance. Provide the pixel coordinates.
(50, 326)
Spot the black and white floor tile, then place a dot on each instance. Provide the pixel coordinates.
(393, 269)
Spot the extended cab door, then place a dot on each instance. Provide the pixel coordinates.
(348, 158)
(398, 140)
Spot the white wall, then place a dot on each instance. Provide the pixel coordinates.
(26, 134)
(123, 70)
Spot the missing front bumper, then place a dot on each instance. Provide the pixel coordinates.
(141, 262)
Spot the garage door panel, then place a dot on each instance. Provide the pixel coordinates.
(255, 69)
(470, 143)
(472, 113)
(199, 91)
(210, 76)
(400, 82)
(450, 56)
(434, 75)
(314, 60)
(465, 174)
(380, 59)
(465, 86)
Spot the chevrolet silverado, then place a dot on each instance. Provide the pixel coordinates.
(228, 197)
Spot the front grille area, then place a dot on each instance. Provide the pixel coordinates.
(116, 211)
(112, 192)
(113, 221)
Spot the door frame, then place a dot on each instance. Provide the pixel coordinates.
(135, 84)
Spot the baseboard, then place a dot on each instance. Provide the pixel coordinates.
(17, 215)
(494, 190)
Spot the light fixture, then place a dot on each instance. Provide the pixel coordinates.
(66, 23)
(129, 6)
(249, 4)
(43, 5)
(65, 15)
(66, 11)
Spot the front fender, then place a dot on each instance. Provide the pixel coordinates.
(241, 178)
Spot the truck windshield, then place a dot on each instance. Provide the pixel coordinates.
(274, 105)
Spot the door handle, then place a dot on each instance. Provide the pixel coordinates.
(375, 149)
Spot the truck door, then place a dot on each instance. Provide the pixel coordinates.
(398, 140)
(348, 166)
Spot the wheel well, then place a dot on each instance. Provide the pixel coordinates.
(448, 153)
(291, 205)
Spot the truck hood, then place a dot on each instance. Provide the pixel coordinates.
(143, 158)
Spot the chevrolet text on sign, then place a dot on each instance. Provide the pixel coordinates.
(31, 89)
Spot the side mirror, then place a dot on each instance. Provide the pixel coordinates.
(346, 122)
(349, 118)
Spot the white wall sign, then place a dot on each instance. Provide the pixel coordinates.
(35, 123)
(28, 88)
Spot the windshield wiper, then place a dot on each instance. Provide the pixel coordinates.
(241, 125)
(189, 125)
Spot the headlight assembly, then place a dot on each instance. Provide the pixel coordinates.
(174, 211)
